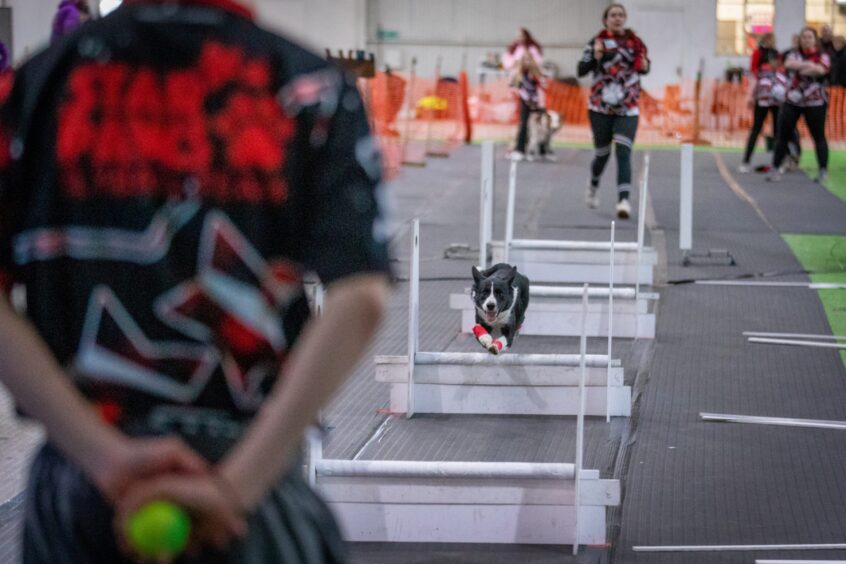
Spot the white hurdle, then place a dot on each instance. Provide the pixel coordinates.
(469, 502)
(508, 384)
(560, 261)
(556, 310)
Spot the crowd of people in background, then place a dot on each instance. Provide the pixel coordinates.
(785, 86)
(789, 86)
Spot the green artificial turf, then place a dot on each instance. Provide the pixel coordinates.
(824, 256)
(836, 169)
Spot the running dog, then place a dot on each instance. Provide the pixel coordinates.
(542, 126)
(501, 297)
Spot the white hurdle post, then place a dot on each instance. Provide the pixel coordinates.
(486, 202)
(580, 418)
(413, 312)
(509, 212)
(641, 220)
(686, 199)
(611, 319)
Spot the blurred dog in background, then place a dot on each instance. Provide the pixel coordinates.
(543, 125)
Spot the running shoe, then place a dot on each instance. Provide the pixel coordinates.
(624, 209)
(592, 198)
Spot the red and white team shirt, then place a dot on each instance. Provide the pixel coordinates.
(807, 91)
(616, 86)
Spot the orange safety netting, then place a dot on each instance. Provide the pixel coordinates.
(417, 117)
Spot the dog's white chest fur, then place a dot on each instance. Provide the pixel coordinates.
(502, 317)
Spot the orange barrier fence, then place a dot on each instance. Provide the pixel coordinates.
(414, 116)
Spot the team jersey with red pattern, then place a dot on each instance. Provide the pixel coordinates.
(770, 87)
(616, 76)
(167, 175)
(804, 90)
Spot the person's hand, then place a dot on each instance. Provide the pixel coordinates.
(139, 459)
(750, 103)
(598, 49)
(216, 517)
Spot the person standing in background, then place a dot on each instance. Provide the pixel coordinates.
(524, 44)
(838, 62)
(764, 93)
(522, 60)
(5, 59)
(807, 69)
(69, 15)
(827, 40)
(527, 84)
(617, 57)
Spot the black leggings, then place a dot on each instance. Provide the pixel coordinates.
(815, 120)
(621, 130)
(523, 132)
(758, 123)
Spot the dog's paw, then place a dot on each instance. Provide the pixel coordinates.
(494, 350)
(486, 341)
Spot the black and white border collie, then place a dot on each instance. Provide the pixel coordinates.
(501, 296)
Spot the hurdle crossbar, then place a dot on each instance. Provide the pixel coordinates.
(441, 469)
(549, 244)
(487, 359)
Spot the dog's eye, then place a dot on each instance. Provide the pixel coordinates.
(498, 293)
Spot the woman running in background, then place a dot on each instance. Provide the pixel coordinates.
(617, 57)
(806, 96)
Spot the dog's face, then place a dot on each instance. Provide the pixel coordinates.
(493, 296)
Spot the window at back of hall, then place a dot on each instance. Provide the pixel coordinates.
(740, 23)
(831, 12)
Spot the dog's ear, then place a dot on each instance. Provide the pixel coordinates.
(477, 276)
(512, 274)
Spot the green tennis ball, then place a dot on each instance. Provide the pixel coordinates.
(159, 529)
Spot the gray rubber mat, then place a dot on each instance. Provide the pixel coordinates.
(695, 483)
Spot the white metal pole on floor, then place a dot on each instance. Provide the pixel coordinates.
(794, 335)
(610, 324)
(580, 417)
(796, 343)
(738, 547)
(641, 221)
(509, 212)
(686, 198)
(413, 312)
(486, 202)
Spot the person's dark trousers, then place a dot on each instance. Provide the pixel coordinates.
(621, 130)
(760, 116)
(523, 132)
(815, 120)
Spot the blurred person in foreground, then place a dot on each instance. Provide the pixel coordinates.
(168, 174)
